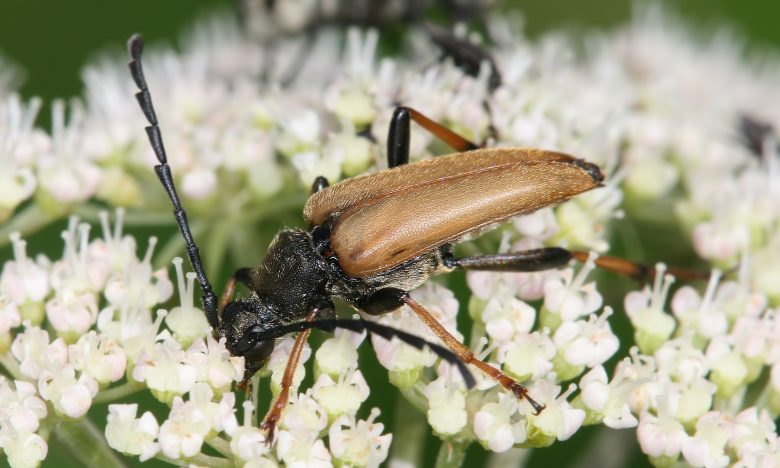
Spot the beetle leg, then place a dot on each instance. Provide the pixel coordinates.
(467, 356)
(526, 260)
(465, 54)
(387, 299)
(319, 183)
(245, 276)
(398, 135)
(556, 257)
(275, 413)
(635, 270)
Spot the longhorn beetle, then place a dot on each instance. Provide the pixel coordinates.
(374, 238)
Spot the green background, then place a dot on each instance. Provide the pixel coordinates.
(52, 40)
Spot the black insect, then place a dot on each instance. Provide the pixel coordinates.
(464, 54)
(755, 133)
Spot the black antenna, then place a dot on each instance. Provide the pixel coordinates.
(135, 47)
(386, 332)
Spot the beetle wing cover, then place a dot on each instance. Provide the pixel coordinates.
(392, 216)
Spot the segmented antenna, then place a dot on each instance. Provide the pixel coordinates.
(135, 47)
(386, 332)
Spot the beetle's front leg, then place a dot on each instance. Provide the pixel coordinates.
(245, 276)
(275, 413)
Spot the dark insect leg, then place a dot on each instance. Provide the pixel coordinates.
(398, 135)
(466, 55)
(386, 332)
(275, 413)
(755, 133)
(467, 356)
(635, 270)
(227, 293)
(135, 46)
(245, 276)
(527, 260)
(319, 183)
(557, 257)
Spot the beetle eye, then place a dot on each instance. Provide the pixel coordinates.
(260, 351)
(252, 348)
(247, 341)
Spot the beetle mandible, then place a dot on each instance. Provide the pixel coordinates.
(374, 238)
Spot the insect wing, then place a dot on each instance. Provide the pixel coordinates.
(392, 216)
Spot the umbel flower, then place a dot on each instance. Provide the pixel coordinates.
(247, 129)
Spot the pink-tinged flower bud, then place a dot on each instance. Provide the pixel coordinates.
(217, 367)
(25, 282)
(99, 357)
(164, 368)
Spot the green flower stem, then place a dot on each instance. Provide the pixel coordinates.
(171, 248)
(197, 460)
(117, 393)
(516, 457)
(28, 220)
(266, 210)
(409, 434)
(90, 213)
(451, 455)
(216, 245)
(220, 445)
(415, 398)
(86, 443)
(175, 246)
(10, 365)
(477, 332)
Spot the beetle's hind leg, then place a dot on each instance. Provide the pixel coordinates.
(387, 299)
(526, 260)
(556, 257)
(398, 135)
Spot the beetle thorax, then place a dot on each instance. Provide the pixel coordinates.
(293, 276)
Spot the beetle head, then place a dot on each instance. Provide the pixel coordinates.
(243, 324)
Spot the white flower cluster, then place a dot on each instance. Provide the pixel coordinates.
(658, 111)
(99, 297)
